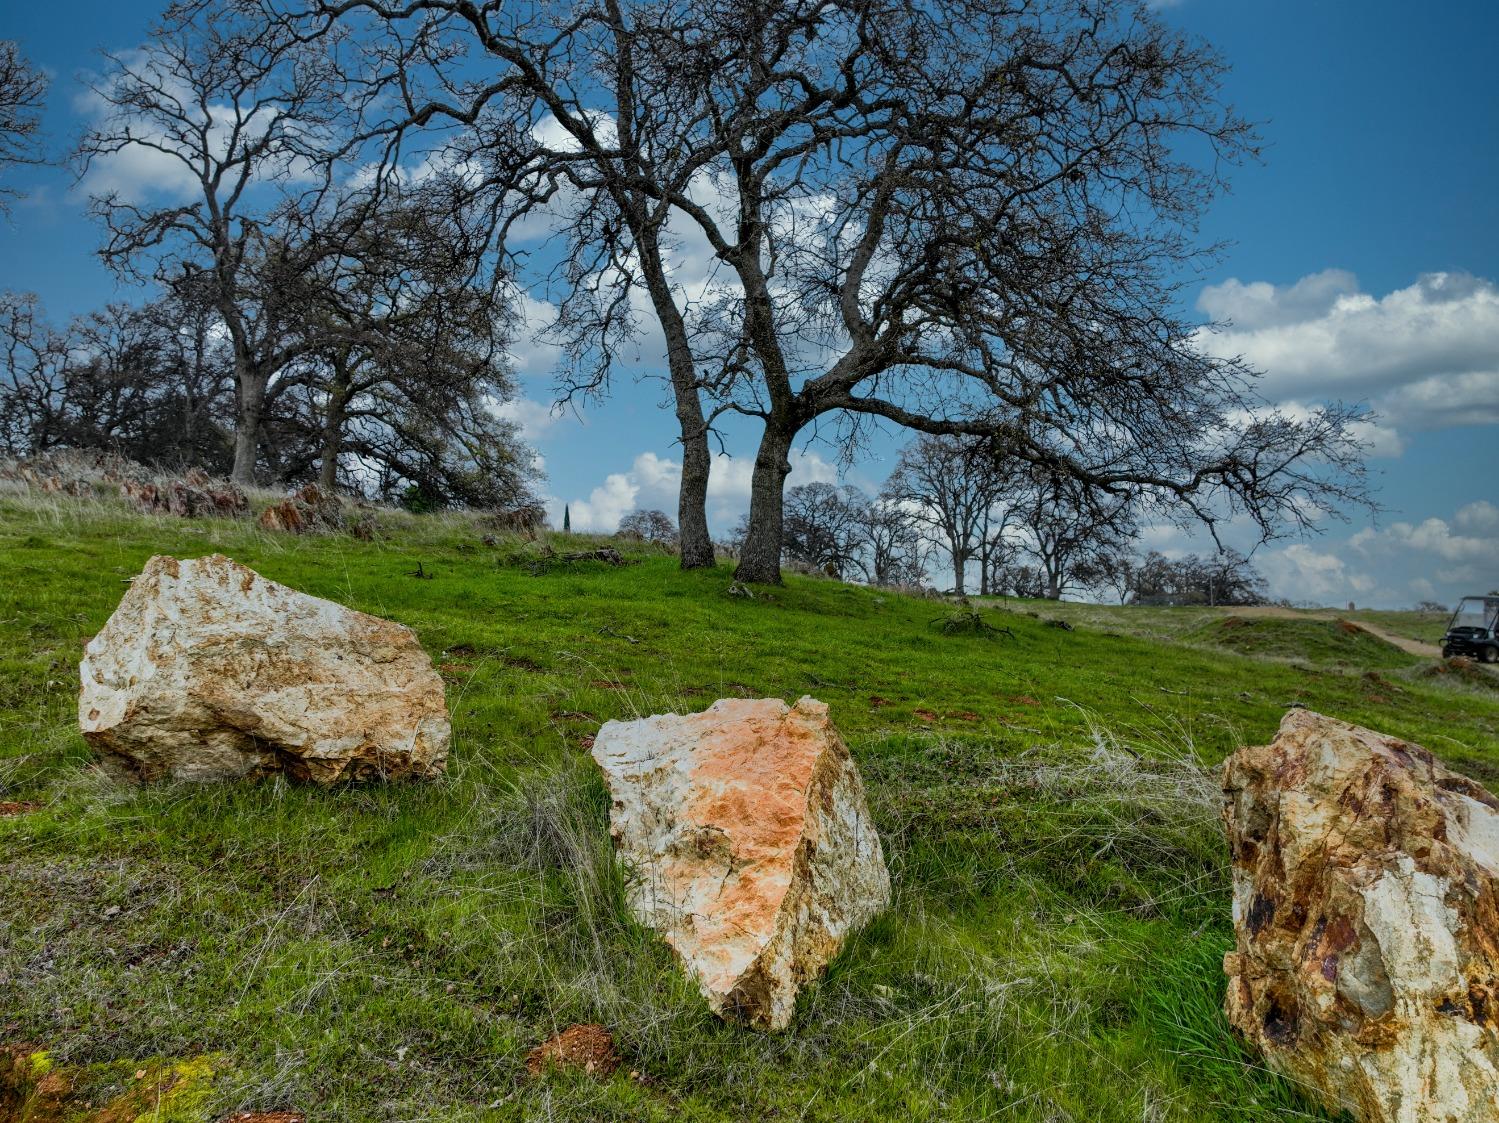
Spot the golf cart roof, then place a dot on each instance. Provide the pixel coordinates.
(1477, 608)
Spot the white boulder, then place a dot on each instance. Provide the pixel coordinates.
(208, 671)
(749, 833)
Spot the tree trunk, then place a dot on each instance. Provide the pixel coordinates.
(251, 404)
(333, 430)
(692, 498)
(760, 557)
(959, 564)
(697, 461)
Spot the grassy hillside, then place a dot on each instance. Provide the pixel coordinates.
(1337, 643)
(392, 952)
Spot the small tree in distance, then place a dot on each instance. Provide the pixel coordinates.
(649, 526)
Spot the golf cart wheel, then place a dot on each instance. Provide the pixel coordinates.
(1491, 654)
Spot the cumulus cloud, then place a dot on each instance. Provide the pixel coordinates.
(1459, 554)
(160, 167)
(1300, 573)
(652, 481)
(530, 353)
(1431, 536)
(1481, 517)
(1425, 356)
(534, 418)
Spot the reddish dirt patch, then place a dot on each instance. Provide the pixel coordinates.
(455, 670)
(877, 703)
(266, 1117)
(1024, 700)
(585, 743)
(924, 715)
(586, 1047)
(963, 715)
(14, 807)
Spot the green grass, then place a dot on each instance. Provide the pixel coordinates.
(391, 953)
(1322, 643)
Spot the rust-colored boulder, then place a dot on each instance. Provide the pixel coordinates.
(1366, 902)
(309, 510)
(754, 854)
(207, 671)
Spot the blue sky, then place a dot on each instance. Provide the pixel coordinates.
(1364, 265)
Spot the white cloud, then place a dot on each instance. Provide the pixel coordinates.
(605, 506)
(1481, 517)
(1259, 304)
(652, 482)
(1299, 574)
(1423, 588)
(1426, 355)
(533, 417)
(530, 355)
(1430, 536)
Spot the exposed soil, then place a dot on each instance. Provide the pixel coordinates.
(586, 1047)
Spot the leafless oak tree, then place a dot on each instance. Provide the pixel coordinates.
(1075, 538)
(968, 221)
(949, 491)
(230, 109)
(23, 89)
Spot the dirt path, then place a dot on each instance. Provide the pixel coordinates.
(1405, 643)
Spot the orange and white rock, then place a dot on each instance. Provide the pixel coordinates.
(207, 671)
(750, 839)
(1366, 903)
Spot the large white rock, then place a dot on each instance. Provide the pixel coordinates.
(207, 671)
(748, 831)
(1366, 903)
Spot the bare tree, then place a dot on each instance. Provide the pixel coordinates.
(939, 222)
(966, 222)
(23, 90)
(949, 491)
(895, 552)
(152, 384)
(826, 527)
(231, 106)
(649, 526)
(392, 317)
(35, 364)
(579, 122)
(1226, 577)
(1073, 536)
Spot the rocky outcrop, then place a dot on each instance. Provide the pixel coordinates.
(751, 844)
(195, 495)
(308, 511)
(207, 671)
(1366, 902)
